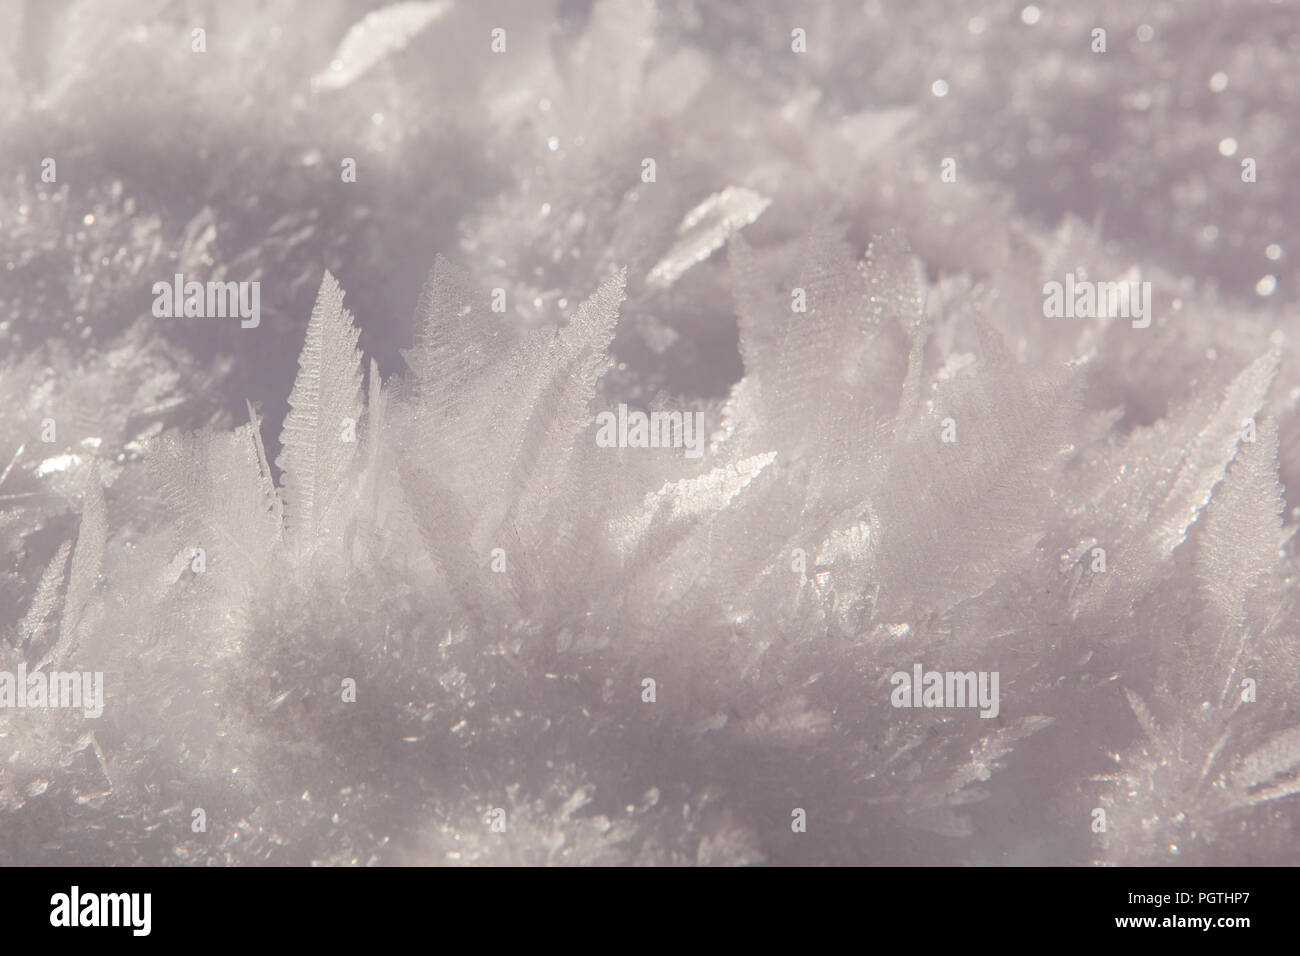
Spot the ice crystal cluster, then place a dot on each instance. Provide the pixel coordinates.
(421, 614)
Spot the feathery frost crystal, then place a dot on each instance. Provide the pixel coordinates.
(733, 496)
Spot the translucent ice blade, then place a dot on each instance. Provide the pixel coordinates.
(377, 35)
(705, 229)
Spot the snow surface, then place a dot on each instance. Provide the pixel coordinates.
(362, 584)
